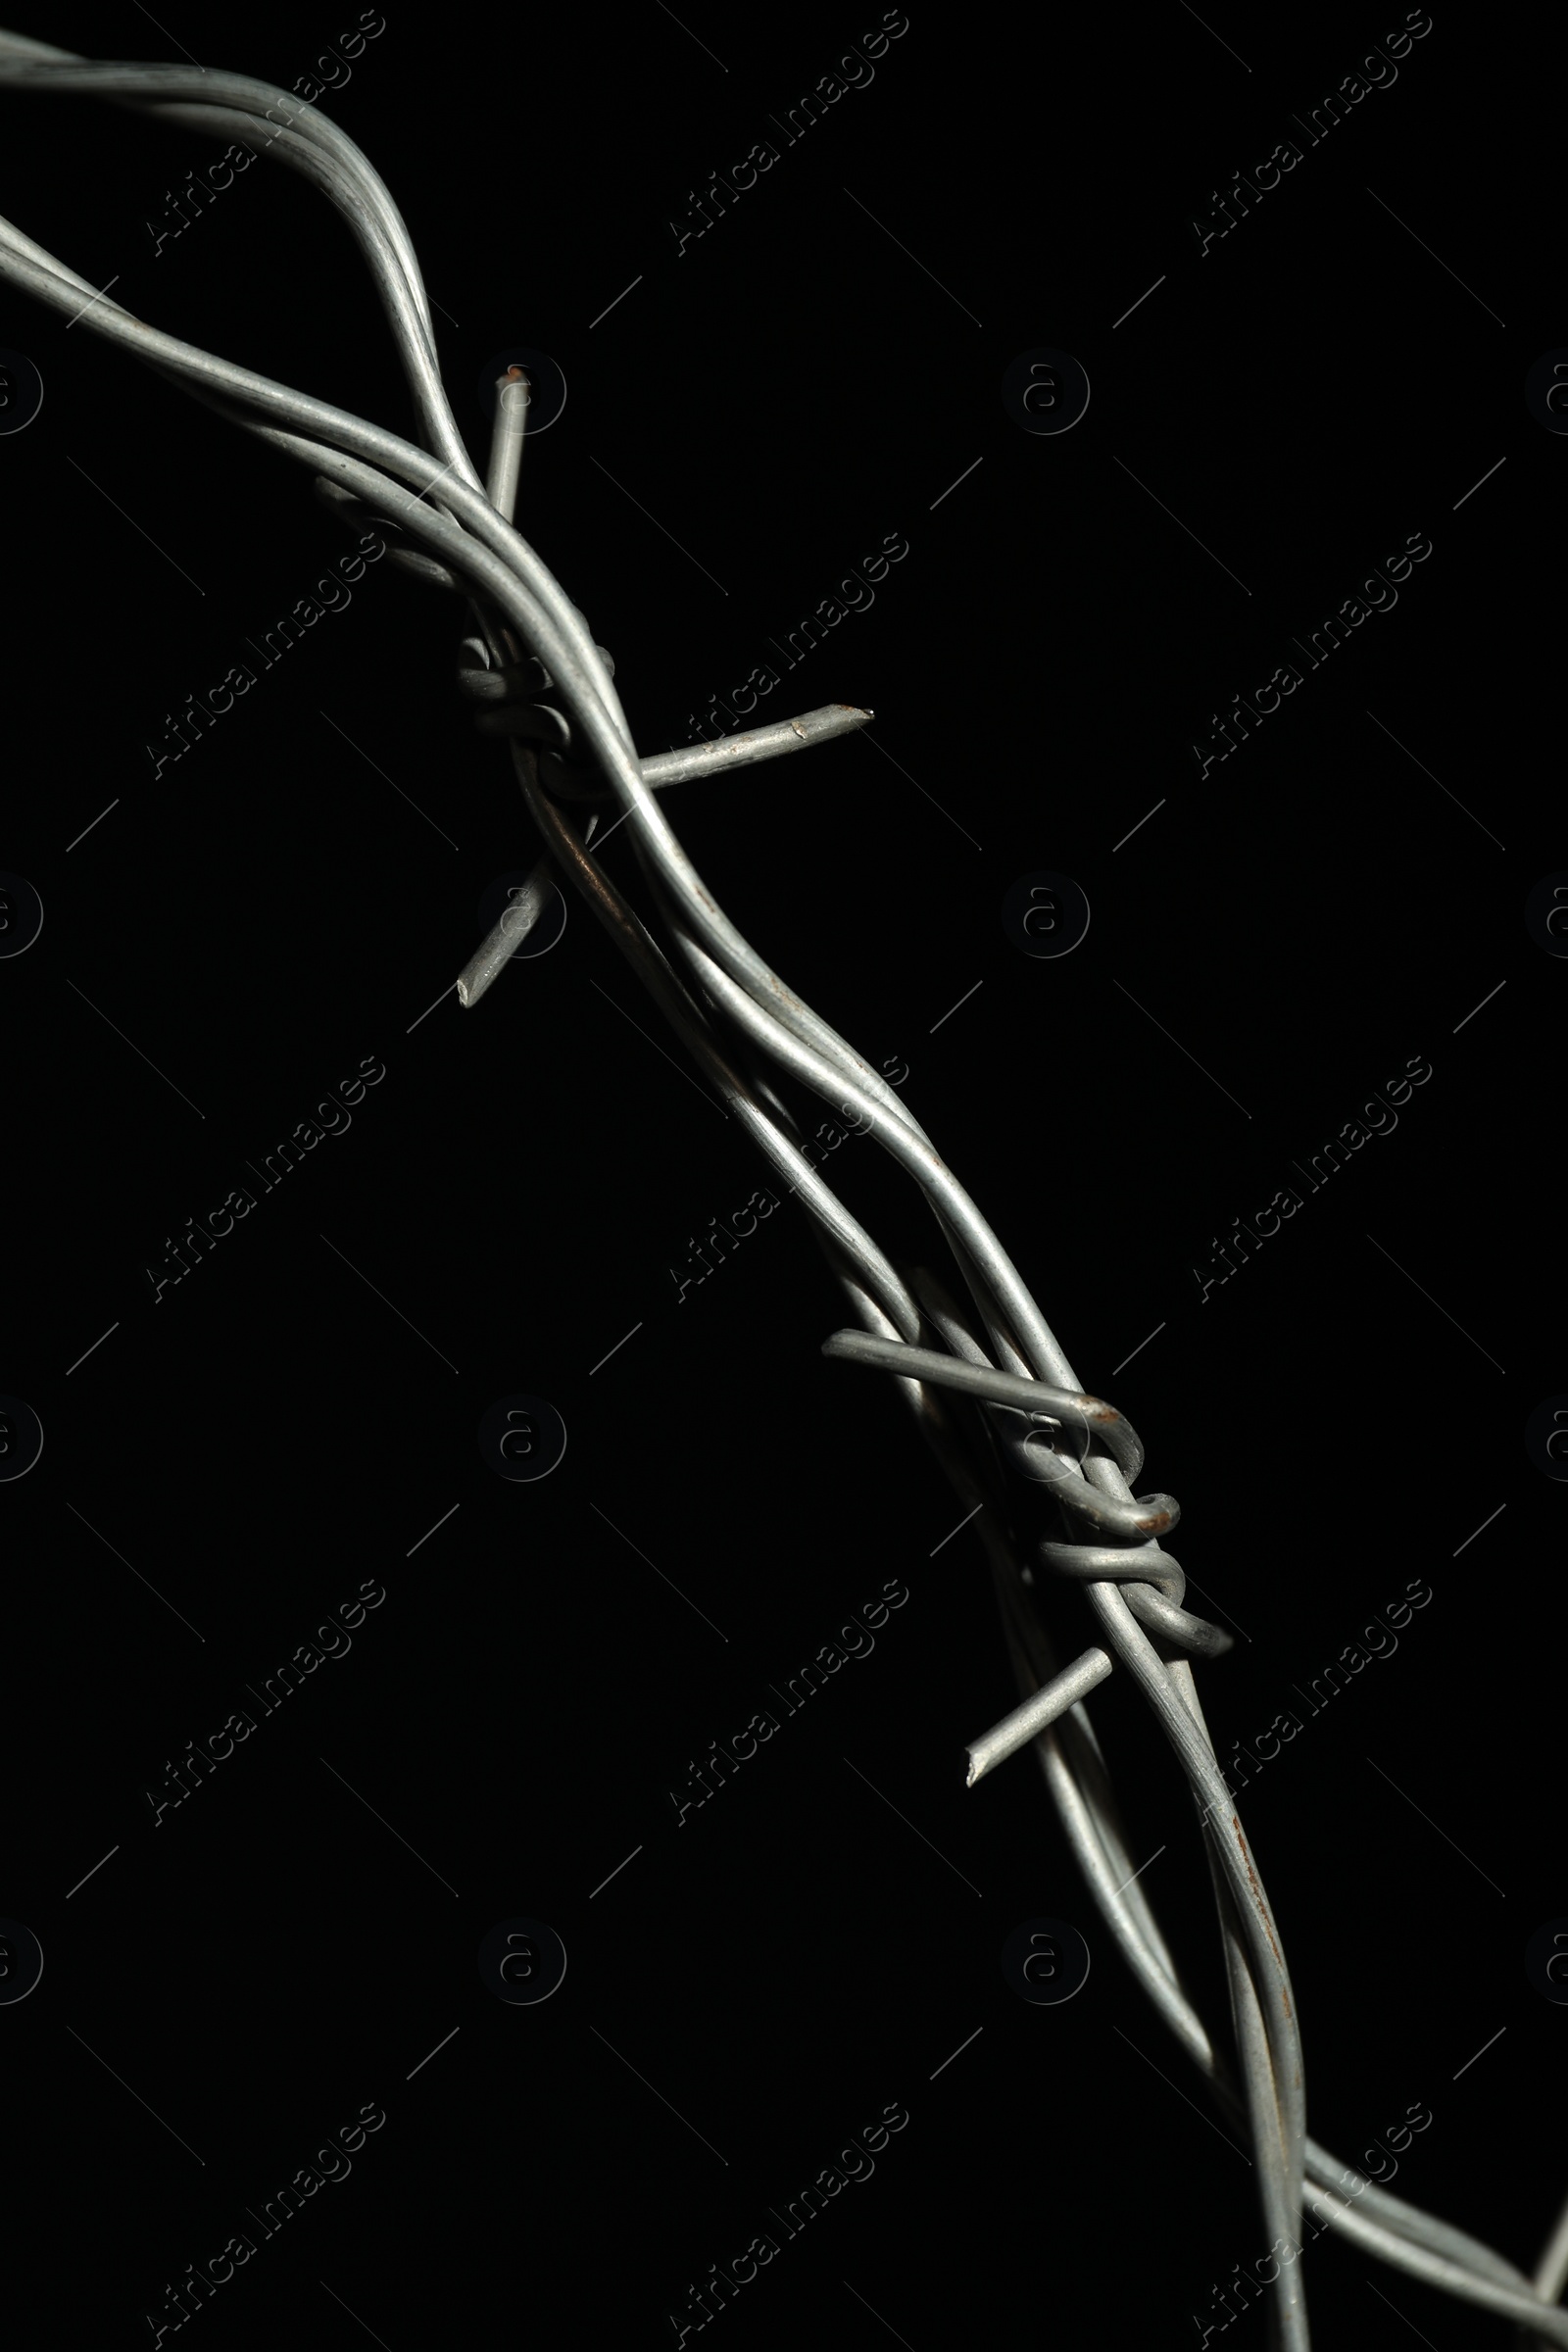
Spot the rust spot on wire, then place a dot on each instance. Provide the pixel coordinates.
(786, 996)
(1268, 1923)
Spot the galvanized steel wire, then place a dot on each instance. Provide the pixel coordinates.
(538, 678)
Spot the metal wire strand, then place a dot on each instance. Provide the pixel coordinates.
(875, 1271)
(1078, 1782)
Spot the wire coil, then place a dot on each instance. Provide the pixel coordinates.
(520, 700)
(1126, 1551)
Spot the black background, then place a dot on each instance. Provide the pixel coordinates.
(1279, 940)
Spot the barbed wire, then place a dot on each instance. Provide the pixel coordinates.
(542, 684)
